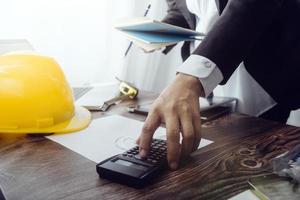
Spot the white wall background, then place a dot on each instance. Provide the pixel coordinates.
(78, 33)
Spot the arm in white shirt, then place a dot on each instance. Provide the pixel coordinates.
(207, 71)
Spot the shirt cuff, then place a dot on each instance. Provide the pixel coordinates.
(207, 71)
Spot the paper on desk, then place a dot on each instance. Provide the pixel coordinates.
(106, 137)
(246, 195)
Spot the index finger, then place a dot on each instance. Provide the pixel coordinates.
(151, 124)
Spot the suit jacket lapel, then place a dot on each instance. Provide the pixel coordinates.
(221, 5)
(218, 5)
(190, 18)
(181, 4)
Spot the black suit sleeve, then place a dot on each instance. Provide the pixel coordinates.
(239, 27)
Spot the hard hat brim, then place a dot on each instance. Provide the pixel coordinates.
(80, 120)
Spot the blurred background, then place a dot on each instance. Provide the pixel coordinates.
(80, 36)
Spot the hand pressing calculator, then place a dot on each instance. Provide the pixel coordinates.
(132, 170)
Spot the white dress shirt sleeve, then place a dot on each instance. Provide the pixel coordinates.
(207, 71)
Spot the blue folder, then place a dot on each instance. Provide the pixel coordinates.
(152, 31)
(152, 37)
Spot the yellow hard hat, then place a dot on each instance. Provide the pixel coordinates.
(35, 97)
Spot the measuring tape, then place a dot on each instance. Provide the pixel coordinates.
(128, 90)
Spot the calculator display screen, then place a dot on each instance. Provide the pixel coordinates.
(130, 164)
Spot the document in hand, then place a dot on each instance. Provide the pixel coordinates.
(152, 34)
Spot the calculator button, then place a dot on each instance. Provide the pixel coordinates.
(152, 157)
(149, 160)
(138, 157)
(162, 158)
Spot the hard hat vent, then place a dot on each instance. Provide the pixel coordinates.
(43, 123)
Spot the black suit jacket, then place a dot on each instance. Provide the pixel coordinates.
(265, 34)
(1, 195)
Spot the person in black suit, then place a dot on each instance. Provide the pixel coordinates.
(264, 34)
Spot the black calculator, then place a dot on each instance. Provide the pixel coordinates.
(132, 170)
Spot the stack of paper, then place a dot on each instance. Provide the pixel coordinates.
(150, 34)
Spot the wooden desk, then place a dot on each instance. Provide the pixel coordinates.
(37, 168)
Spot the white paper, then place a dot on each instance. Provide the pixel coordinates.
(98, 95)
(246, 195)
(106, 137)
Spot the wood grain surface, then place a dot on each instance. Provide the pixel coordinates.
(32, 167)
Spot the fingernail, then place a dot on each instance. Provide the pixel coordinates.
(173, 165)
(143, 153)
